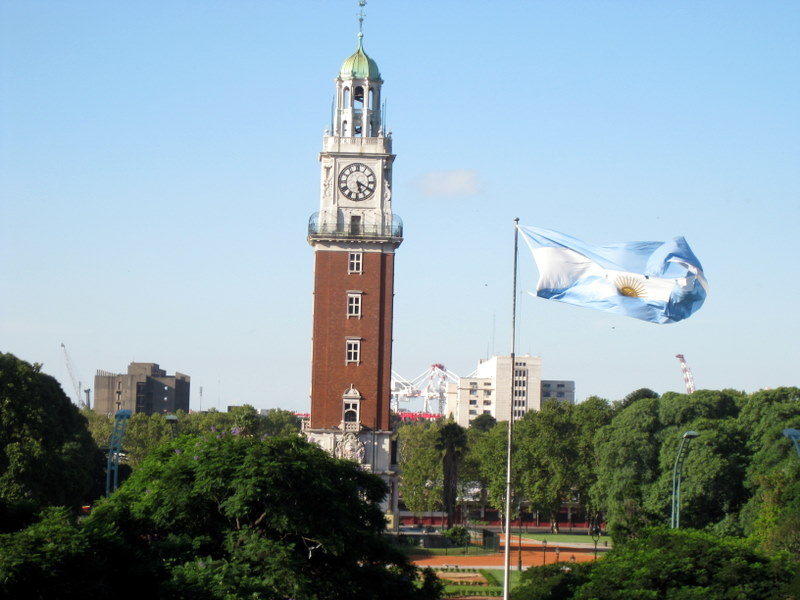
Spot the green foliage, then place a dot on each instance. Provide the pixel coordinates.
(636, 454)
(491, 452)
(483, 422)
(421, 480)
(221, 517)
(452, 444)
(554, 455)
(685, 564)
(47, 457)
(666, 564)
(458, 535)
(551, 582)
(56, 558)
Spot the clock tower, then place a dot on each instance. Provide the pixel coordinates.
(354, 235)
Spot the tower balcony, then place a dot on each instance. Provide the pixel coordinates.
(322, 227)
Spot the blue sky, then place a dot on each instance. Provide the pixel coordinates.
(158, 165)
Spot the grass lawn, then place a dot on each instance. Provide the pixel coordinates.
(554, 539)
(417, 551)
(494, 578)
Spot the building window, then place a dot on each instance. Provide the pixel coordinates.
(354, 304)
(351, 412)
(353, 352)
(354, 262)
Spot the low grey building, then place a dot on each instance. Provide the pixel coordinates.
(144, 388)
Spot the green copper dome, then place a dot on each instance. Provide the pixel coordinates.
(359, 65)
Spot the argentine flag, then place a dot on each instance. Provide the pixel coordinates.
(660, 282)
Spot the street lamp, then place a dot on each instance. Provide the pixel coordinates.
(172, 421)
(794, 435)
(595, 537)
(544, 554)
(683, 449)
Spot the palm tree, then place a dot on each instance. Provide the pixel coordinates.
(452, 443)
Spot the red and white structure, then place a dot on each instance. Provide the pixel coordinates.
(688, 380)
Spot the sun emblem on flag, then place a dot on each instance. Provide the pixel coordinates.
(631, 286)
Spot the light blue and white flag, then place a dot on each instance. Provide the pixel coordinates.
(660, 282)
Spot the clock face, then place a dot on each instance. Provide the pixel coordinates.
(357, 181)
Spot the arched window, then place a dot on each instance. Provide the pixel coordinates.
(346, 98)
(345, 129)
(350, 412)
(351, 400)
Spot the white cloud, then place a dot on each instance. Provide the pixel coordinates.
(461, 182)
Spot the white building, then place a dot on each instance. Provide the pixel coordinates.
(489, 390)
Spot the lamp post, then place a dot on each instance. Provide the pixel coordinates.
(794, 435)
(595, 537)
(544, 554)
(172, 421)
(683, 449)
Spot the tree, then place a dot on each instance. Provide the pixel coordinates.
(47, 456)
(546, 455)
(483, 422)
(667, 563)
(773, 473)
(420, 467)
(627, 462)
(681, 563)
(452, 443)
(56, 557)
(639, 394)
(234, 516)
(491, 451)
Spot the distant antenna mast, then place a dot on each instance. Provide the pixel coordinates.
(687, 374)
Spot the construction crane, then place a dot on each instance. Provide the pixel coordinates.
(430, 387)
(115, 449)
(76, 385)
(687, 374)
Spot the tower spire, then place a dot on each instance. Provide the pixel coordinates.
(361, 15)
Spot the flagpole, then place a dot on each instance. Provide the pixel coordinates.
(507, 564)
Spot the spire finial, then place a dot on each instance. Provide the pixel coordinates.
(361, 15)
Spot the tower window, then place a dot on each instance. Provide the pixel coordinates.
(355, 224)
(354, 304)
(351, 412)
(354, 262)
(353, 352)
